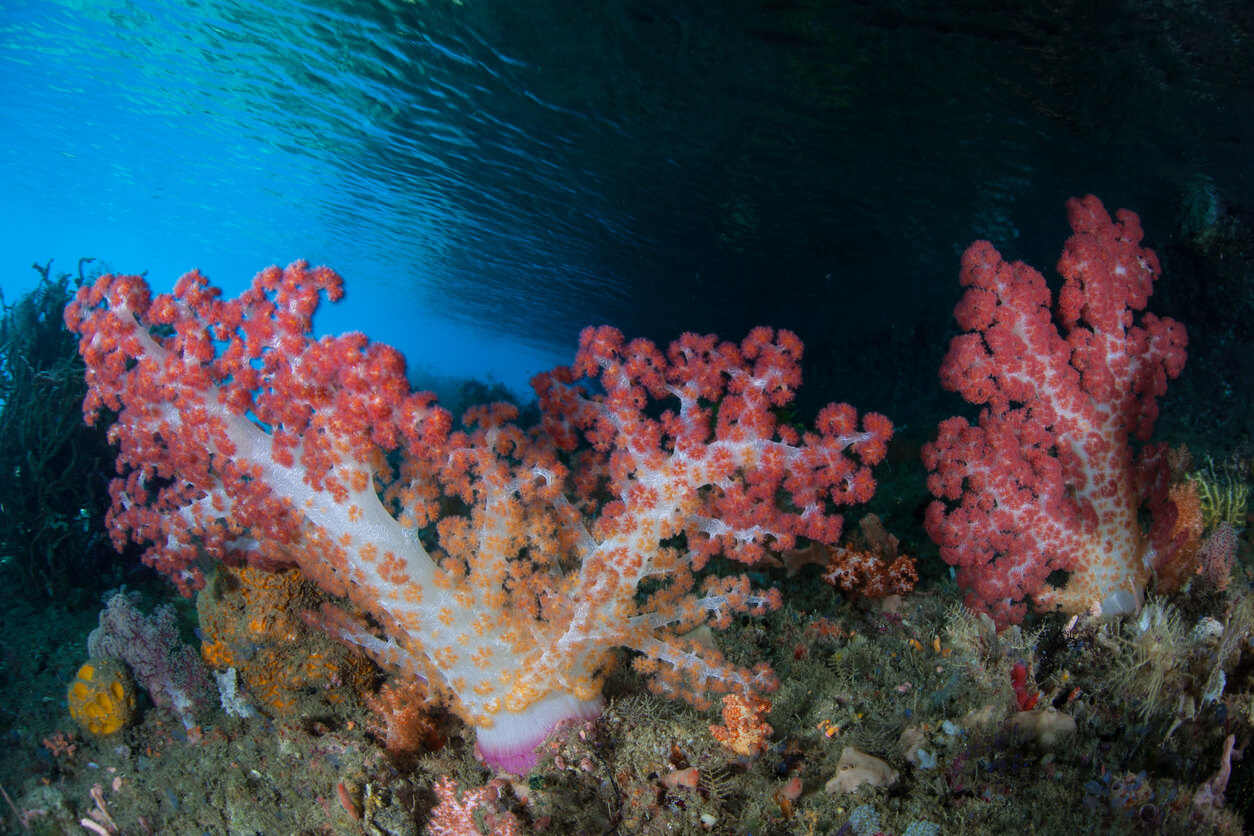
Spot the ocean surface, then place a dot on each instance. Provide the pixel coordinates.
(490, 177)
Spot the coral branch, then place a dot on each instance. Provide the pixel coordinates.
(242, 438)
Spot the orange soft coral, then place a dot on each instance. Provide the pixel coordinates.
(404, 719)
(743, 731)
(250, 620)
(1182, 562)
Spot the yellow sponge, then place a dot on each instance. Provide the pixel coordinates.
(102, 696)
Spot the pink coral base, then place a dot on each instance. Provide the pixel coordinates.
(509, 744)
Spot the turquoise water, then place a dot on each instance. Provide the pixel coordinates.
(490, 177)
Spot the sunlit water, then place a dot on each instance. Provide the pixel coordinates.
(491, 176)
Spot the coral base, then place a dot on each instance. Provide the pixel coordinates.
(509, 744)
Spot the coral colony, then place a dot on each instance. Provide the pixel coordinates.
(1047, 481)
(503, 564)
(499, 566)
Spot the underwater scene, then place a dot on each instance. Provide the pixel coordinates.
(754, 417)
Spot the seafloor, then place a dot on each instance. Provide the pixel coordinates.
(915, 680)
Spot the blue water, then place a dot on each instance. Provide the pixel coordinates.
(166, 136)
(491, 176)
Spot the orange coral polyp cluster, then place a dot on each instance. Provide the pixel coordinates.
(743, 732)
(1175, 570)
(250, 620)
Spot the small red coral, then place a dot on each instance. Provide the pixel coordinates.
(871, 566)
(1025, 699)
(456, 817)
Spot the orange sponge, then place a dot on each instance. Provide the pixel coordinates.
(102, 696)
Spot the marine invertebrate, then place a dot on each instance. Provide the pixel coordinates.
(404, 719)
(250, 620)
(1224, 497)
(169, 670)
(1173, 572)
(455, 815)
(744, 731)
(1048, 481)
(101, 698)
(56, 469)
(243, 438)
(1153, 658)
